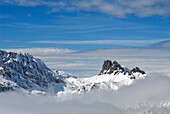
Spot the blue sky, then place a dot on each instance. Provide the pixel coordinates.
(83, 24)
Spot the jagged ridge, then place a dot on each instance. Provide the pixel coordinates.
(114, 67)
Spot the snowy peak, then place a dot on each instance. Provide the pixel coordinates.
(111, 77)
(115, 68)
(24, 71)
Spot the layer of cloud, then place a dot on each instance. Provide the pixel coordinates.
(89, 63)
(118, 8)
(145, 96)
(164, 44)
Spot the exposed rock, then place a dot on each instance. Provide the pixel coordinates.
(106, 66)
(115, 68)
(109, 67)
(136, 69)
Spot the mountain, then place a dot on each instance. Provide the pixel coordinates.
(23, 72)
(26, 72)
(111, 77)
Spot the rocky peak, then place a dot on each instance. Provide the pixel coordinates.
(109, 67)
(136, 69)
(115, 68)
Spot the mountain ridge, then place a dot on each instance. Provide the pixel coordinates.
(24, 72)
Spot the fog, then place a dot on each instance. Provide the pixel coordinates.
(149, 96)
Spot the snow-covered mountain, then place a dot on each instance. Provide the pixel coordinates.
(111, 77)
(28, 74)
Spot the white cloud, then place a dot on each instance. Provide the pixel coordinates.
(145, 96)
(164, 44)
(132, 43)
(118, 8)
(113, 28)
(42, 51)
(10, 41)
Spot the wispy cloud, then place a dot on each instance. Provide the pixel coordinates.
(118, 8)
(31, 3)
(10, 41)
(112, 28)
(42, 51)
(28, 25)
(31, 26)
(132, 43)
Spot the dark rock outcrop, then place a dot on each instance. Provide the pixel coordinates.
(110, 67)
(136, 69)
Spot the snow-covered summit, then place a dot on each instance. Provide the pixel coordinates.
(24, 71)
(111, 77)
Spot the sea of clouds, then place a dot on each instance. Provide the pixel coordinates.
(145, 96)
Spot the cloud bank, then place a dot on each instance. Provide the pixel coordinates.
(145, 96)
(117, 8)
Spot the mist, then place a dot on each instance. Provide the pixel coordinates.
(150, 95)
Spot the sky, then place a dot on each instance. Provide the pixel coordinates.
(83, 24)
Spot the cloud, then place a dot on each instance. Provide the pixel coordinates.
(117, 8)
(131, 43)
(89, 62)
(31, 3)
(164, 44)
(113, 28)
(10, 41)
(42, 51)
(150, 95)
(29, 25)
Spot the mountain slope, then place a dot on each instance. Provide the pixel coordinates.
(25, 71)
(29, 74)
(111, 77)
